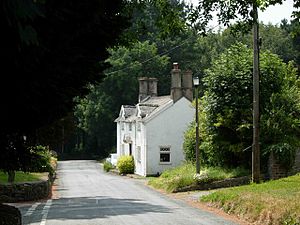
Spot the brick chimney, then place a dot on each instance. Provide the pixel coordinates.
(187, 85)
(147, 87)
(143, 88)
(176, 91)
(152, 86)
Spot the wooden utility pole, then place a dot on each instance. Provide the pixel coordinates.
(255, 147)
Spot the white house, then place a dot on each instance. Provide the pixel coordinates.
(153, 129)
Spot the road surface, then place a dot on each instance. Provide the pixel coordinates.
(85, 195)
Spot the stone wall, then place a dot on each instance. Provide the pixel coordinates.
(276, 170)
(28, 191)
(296, 167)
(229, 182)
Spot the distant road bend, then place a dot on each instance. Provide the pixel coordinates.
(85, 195)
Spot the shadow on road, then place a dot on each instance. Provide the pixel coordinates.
(99, 207)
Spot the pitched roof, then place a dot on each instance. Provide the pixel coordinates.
(129, 110)
(152, 105)
(144, 110)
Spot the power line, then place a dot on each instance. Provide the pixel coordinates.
(161, 54)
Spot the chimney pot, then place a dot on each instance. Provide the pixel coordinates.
(152, 86)
(175, 66)
(143, 88)
(176, 90)
(187, 85)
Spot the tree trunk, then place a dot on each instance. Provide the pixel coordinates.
(11, 176)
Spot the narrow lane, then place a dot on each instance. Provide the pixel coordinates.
(86, 195)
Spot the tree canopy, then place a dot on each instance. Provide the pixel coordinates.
(226, 109)
(97, 111)
(51, 50)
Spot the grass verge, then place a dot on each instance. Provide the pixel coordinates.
(184, 175)
(22, 177)
(274, 202)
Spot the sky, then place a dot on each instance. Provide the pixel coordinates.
(273, 14)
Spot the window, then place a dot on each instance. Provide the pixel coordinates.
(165, 155)
(122, 126)
(138, 153)
(130, 126)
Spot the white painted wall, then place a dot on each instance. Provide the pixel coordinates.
(164, 129)
(118, 139)
(140, 166)
(167, 129)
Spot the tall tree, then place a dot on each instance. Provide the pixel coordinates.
(97, 111)
(50, 51)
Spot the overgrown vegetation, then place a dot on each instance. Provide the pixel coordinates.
(226, 110)
(273, 202)
(184, 175)
(37, 159)
(107, 166)
(125, 164)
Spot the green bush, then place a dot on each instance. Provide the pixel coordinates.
(125, 164)
(41, 160)
(107, 166)
(225, 112)
(185, 175)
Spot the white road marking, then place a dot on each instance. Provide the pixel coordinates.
(32, 208)
(45, 212)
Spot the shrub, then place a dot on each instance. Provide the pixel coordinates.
(184, 175)
(107, 166)
(125, 164)
(225, 112)
(42, 160)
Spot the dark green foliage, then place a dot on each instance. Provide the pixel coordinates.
(50, 51)
(14, 156)
(226, 109)
(97, 111)
(125, 164)
(10, 215)
(41, 160)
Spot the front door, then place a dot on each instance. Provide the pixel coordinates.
(130, 149)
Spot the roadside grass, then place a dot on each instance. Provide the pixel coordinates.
(184, 175)
(274, 202)
(22, 177)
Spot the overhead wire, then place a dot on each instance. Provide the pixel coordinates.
(161, 54)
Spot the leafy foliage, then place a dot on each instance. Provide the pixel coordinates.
(239, 12)
(107, 166)
(97, 111)
(226, 111)
(184, 175)
(50, 51)
(41, 160)
(125, 164)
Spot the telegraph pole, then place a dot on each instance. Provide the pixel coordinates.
(255, 145)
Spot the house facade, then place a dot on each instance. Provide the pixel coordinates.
(152, 131)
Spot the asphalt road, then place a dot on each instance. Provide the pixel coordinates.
(85, 195)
